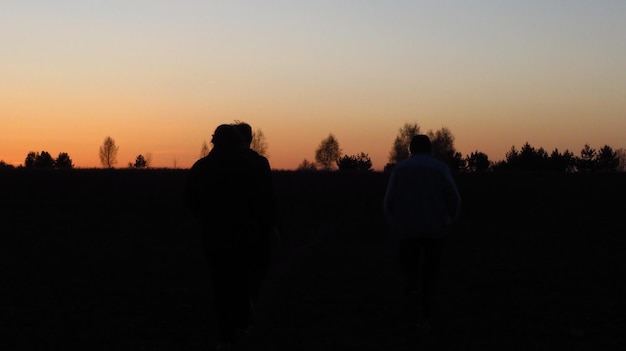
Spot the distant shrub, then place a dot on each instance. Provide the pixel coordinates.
(360, 162)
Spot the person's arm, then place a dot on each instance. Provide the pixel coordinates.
(453, 198)
(389, 197)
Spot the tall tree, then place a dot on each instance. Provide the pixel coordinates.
(328, 152)
(442, 142)
(108, 153)
(587, 160)
(400, 148)
(39, 160)
(607, 159)
(563, 163)
(31, 159)
(44, 160)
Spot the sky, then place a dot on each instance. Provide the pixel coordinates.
(159, 76)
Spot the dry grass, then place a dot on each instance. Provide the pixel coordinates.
(95, 260)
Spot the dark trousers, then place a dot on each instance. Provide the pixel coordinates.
(420, 259)
(237, 274)
(230, 290)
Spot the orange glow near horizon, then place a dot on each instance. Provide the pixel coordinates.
(164, 76)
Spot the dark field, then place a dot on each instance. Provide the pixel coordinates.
(110, 260)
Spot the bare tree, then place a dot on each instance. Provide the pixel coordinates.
(443, 148)
(307, 165)
(443, 143)
(148, 159)
(328, 152)
(400, 149)
(259, 143)
(204, 150)
(108, 153)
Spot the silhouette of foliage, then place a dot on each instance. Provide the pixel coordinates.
(5, 165)
(360, 162)
(477, 162)
(511, 156)
(442, 142)
(400, 148)
(526, 159)
(607, 160)
(39, 160)
(328, 152)
(108, 153)
(562, 163)
(64, 161)
(586, 161)
(307, 166)
(621, 156)
(30, 160)
(457, 162)
(140, 162)
(44, 160)
(529, 159)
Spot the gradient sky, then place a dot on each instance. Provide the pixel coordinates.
(159, 76)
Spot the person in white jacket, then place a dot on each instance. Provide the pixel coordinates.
(422, 204)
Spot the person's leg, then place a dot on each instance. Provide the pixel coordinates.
(240, 291)
(224, 291)
(258, 262)
(433, 251)
(409, 254)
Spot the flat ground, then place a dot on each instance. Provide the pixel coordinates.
(97, 260)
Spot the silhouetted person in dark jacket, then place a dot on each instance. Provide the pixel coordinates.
(225, 192)
(422, 204)
(261, 254)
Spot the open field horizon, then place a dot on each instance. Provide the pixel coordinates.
(378, 161)
(111, 260)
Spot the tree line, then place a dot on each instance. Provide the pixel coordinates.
(329, 156)
(107, 153)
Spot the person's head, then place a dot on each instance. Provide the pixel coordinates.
(226, 136)
(245, 130)
(420, 144)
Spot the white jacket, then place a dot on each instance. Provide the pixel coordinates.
(422, 199)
